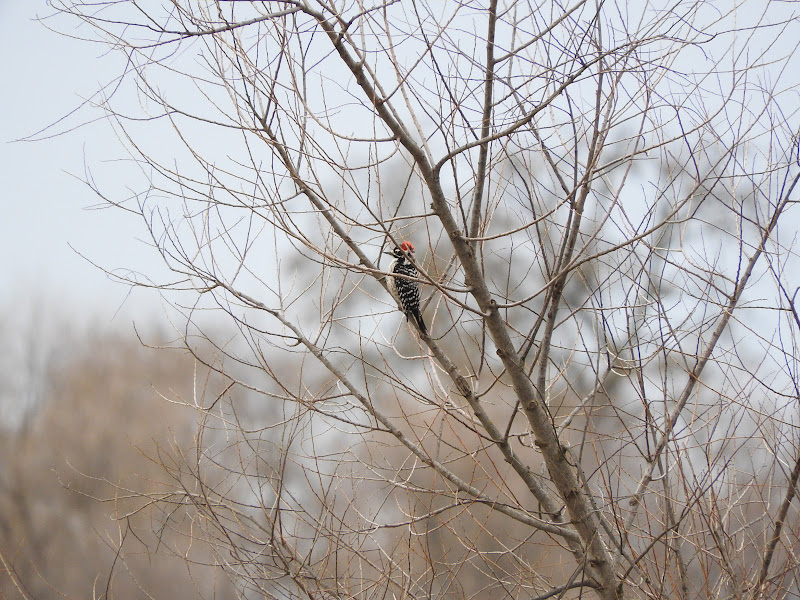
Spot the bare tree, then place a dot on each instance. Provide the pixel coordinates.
(600, 195)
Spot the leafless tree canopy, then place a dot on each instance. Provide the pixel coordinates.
(601, 195)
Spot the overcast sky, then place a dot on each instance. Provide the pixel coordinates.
(46, 209)
(48, 216)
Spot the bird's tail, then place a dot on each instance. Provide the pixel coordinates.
(420, 323)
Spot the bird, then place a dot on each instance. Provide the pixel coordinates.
(405, 291)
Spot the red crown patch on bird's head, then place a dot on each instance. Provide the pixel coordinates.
(407, 247)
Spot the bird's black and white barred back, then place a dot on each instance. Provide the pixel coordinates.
(404, 291)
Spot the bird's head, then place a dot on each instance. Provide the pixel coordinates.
(404, 249)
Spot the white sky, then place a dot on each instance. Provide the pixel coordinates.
(44, 76)
(45, 209)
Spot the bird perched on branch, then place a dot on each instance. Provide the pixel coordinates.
(405, 291)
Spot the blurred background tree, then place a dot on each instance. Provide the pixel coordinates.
(97, 430)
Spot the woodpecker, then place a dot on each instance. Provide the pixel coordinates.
(406, 292)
